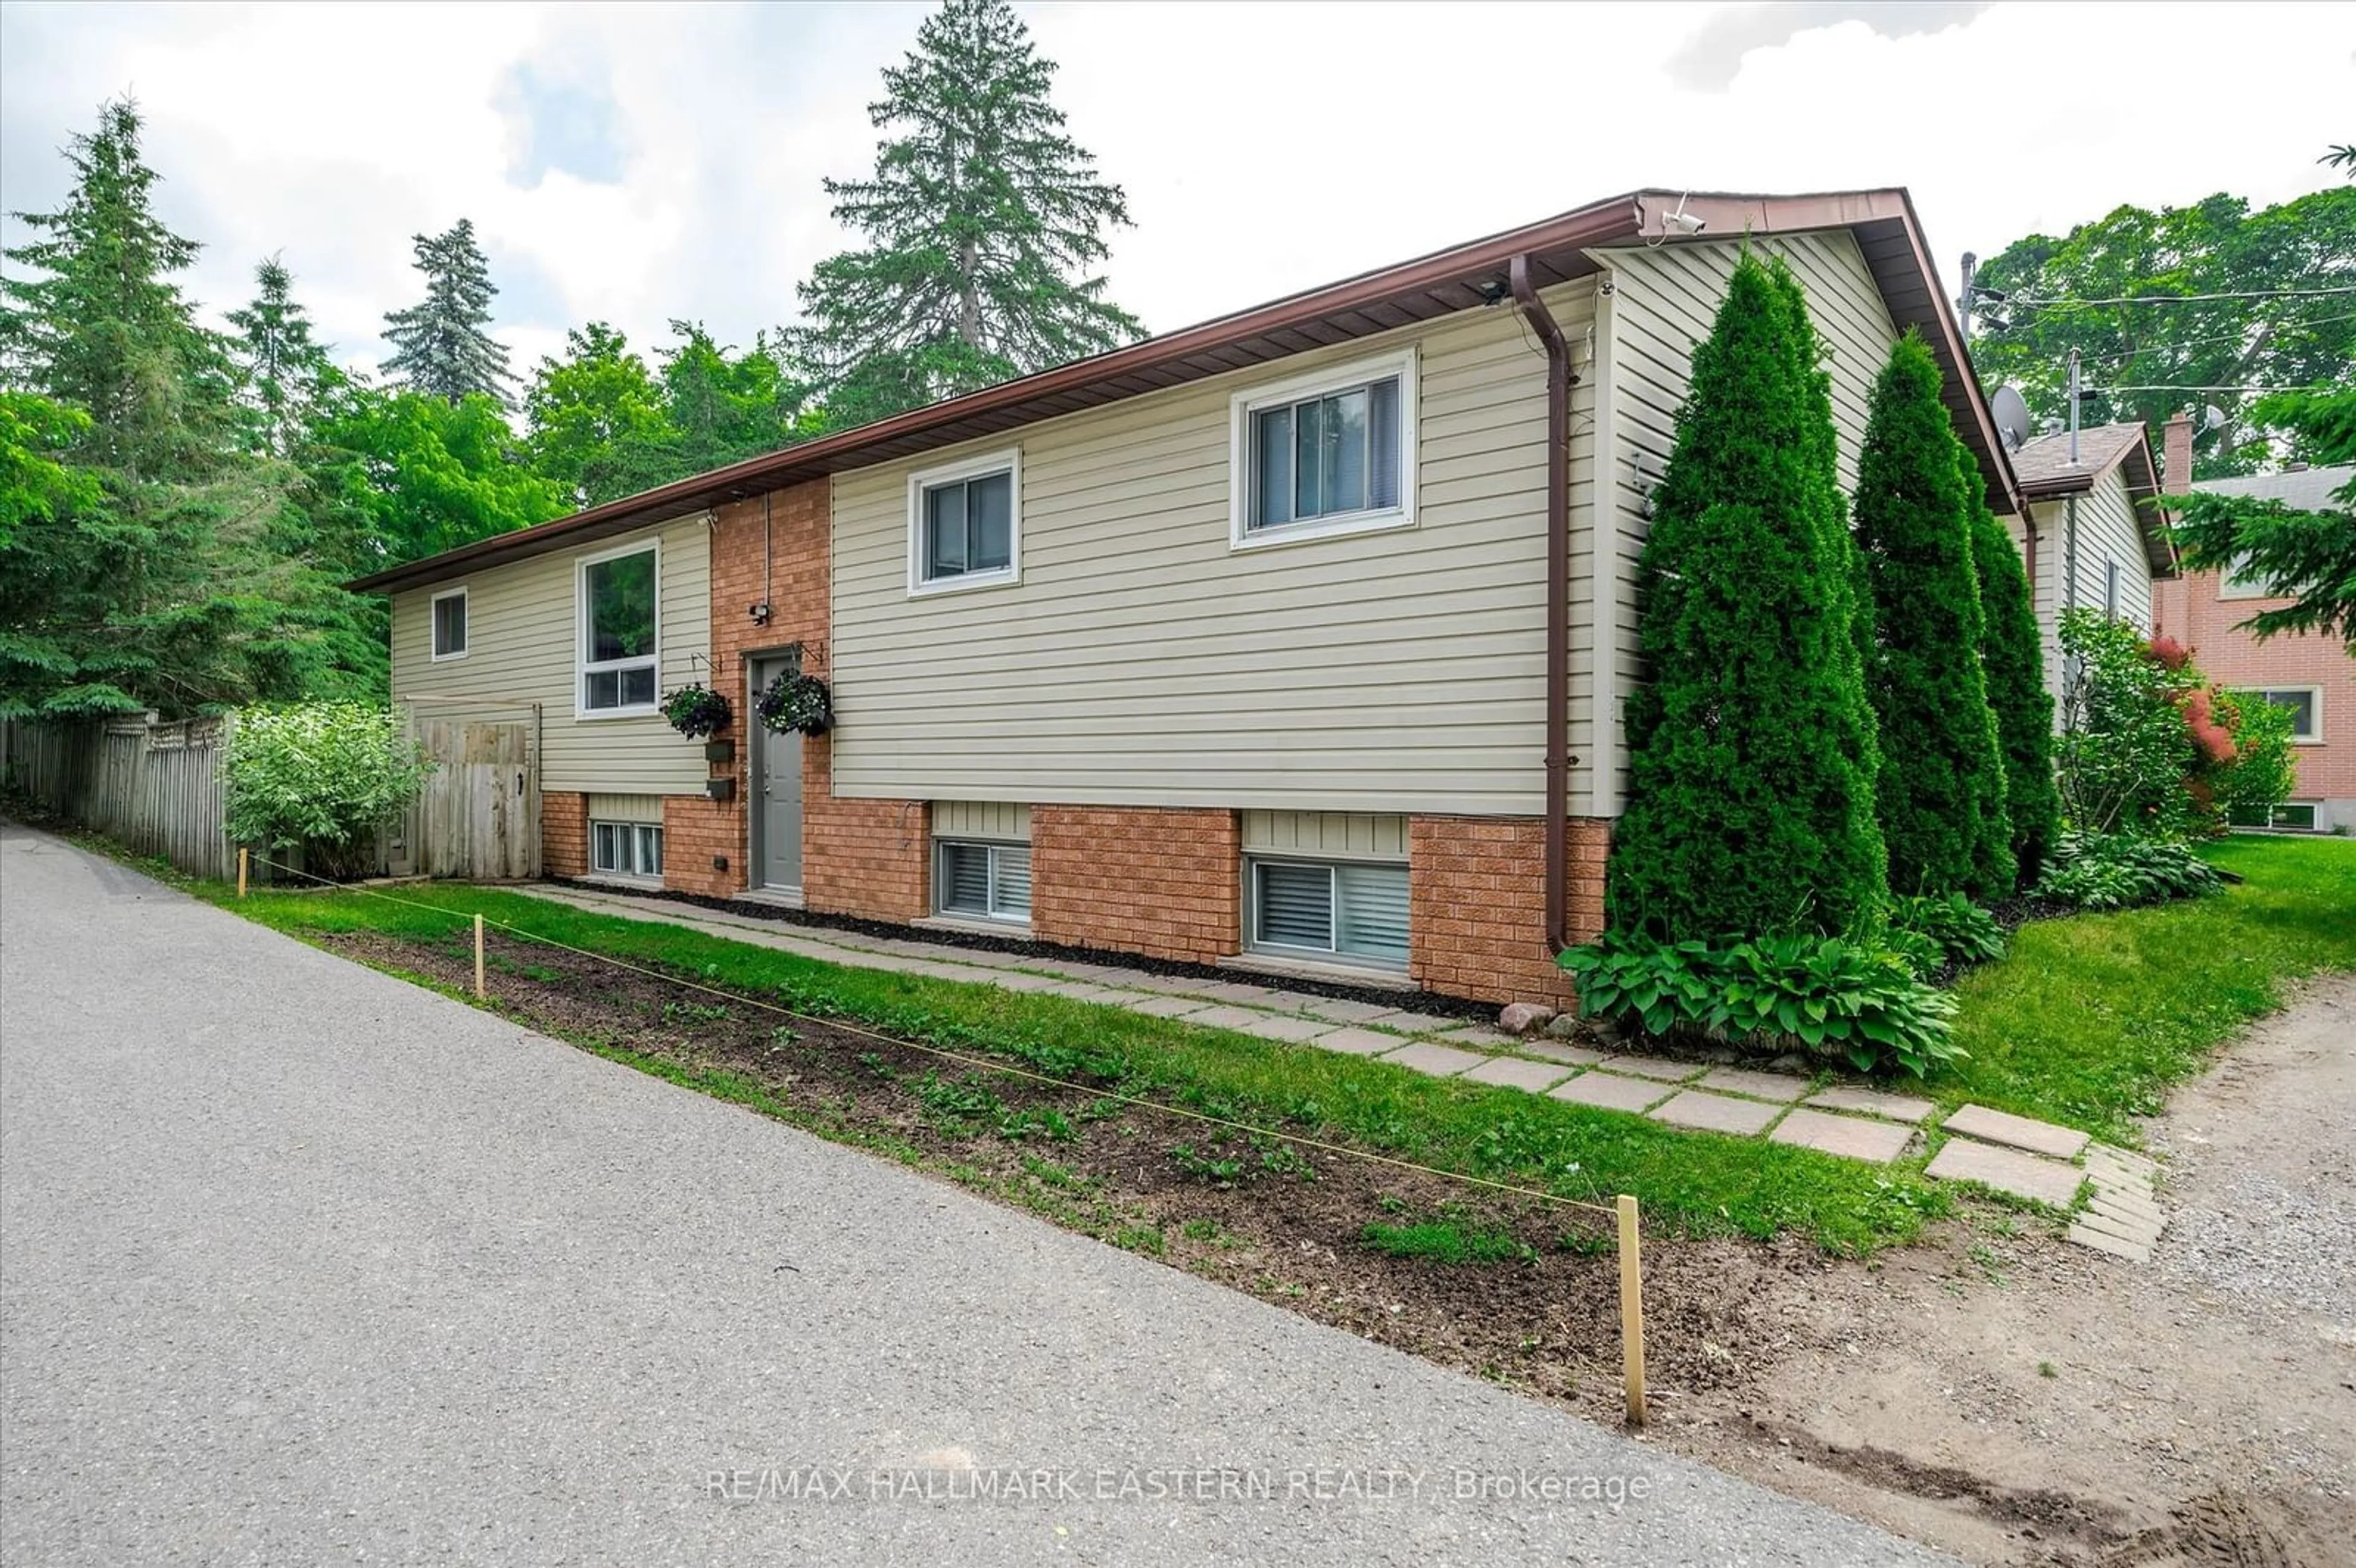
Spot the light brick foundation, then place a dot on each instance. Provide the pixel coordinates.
(1160, 883)
(564, 834)
(1476, 905)
(865, 857)
(696, 831)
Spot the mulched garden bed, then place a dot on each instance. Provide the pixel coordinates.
(1267, 1218)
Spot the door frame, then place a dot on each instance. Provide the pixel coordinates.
(756, 806)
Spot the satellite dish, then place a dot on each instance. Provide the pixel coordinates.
(2212, 418)
(2011, 411)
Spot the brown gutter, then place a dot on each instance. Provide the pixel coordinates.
(1558, 604)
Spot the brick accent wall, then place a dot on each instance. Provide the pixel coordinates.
(2194, 610)
(1476, 905)
(867, 858)
(695, 832)
(563, 833)
(1161, 882)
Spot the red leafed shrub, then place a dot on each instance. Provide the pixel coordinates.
(2216, 743)
(2170, 654)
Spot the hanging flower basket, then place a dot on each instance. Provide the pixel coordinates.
(695, 710)
(796, 701)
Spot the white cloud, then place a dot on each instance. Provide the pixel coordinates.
(1265, 148)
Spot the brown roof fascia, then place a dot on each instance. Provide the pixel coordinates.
(2143, 494)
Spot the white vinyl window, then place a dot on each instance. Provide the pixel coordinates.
(2306, 705)
(986, 882)
(2236, 581)
(2111, 590)
(2290, 816)
(965, 525)
(620, 613)
(625, 848)
(1339, 910)
(450, 625)
(1325, 455)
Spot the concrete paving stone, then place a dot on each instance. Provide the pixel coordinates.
(1407, 1022)
(2139, 1231)
(1022, 980)
(1873, 1102)
(2121, 1167)
(1108, 974)
(1852, 1138)
(990, 959)
(1779, 1086)
(1088, 991)
(1165, 1006)
(1355, 1041)
(1601, 1088)
(2007, 1170)
(1277, 1026)
(1555, 1050)
(1170, 985)
(1513, 1073)
(2016, 1132)
(1225, 1017)
(1234, 991)
(1714, 1113)
(1480, 1035)
(1290, 1001)
(1440, 1061)
(1343, 1011)
(2116, 1246)
(1651, 1067)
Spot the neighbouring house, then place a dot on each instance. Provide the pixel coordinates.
(1276, 642)
(2312, 675)
(2093, 531)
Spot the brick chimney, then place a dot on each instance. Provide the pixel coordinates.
(2176, 450)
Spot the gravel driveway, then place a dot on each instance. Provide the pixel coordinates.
(298, 1262)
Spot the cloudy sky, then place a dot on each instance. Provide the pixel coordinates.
(641, 165)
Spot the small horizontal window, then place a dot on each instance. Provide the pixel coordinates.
(2290, 815)
(988, 882)
(1355, 911)
(2304, 703)
(625, 848)
(1326, 454)
(450, 625)
(965, 524)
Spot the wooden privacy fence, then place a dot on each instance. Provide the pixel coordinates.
(157, 789)
(154, 787)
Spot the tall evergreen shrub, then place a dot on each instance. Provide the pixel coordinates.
(2012, 655)
(1940, 794)
(1750, 747)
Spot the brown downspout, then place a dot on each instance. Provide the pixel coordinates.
(1558, 610)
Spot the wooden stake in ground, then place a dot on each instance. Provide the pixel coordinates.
(243, 855)
(479, 991)
(1631, 1310)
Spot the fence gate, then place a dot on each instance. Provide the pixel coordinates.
(478, 816)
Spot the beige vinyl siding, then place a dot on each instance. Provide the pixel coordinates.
(1143, 661)
(522, 640)
(1664, 302)
(626, 808)
(993, 819)
(1325, 835)
(2108, 530)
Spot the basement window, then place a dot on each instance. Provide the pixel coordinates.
(982, 882)
(625, 849)
(2290, 816)
(1351, 912)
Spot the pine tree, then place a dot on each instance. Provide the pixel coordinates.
(981, 217)
(1750, 748)
(283, 365)
(440, 347)
(2012, 654)
(1940, 794)
(144, 577)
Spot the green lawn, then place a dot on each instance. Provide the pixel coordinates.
(2087, 1022)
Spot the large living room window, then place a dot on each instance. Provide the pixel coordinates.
(1329, 454)
(619, 632)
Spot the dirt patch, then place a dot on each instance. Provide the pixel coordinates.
(1993, 1391)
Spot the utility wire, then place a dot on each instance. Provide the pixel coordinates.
(2030, 301)
(978, 1063)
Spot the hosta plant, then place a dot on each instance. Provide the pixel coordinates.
(1963, 933)
(2117, 870)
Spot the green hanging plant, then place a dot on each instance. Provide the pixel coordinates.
(696, 710)
(796, 701)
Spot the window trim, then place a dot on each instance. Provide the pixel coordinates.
(979, 466)
(2227, 588)
(1257, 947)
(433, 625)
(2314, 706)
(582, 666)
(993, 847)
(2114, 581)
(1241, 536)
(633, 828)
